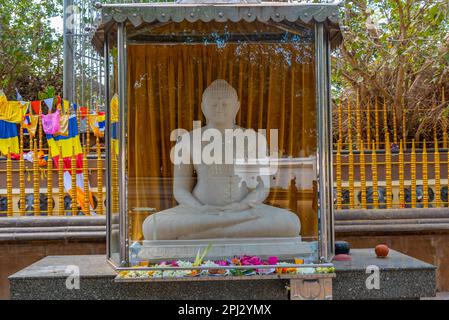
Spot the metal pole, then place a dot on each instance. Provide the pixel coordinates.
(330, 163)
(324, 154)
(83, 58)
(108, 153)
(75, 41)
(99, 80)
(123, 188)
(68, 50)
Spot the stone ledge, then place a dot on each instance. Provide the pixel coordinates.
(390, 221)
(52, 221)
(405, 213)
(347, 222)
(401, 277)
(52, 228)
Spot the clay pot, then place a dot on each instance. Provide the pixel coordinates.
(381, 250)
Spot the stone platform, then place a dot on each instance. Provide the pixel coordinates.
(401, 277)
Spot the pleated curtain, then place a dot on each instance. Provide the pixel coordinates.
(275, 84)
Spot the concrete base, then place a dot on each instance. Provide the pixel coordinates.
(284, 248)
(401, 277)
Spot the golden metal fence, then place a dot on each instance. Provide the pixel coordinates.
(391, 179)
(375, 166)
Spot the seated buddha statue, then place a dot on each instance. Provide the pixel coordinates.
(219, 202)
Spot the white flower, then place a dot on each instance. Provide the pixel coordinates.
(209, 264)
(306, 270)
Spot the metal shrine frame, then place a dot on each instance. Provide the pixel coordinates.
(83, 66)
(322, 17)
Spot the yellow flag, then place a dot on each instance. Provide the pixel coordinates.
(33, 125)
(11, 111)
(114, 109)
(66, 106)
(3, 99)
(64, 125)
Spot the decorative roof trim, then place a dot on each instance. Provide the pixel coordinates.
(138, 13)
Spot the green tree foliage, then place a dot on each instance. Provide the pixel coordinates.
(397, 50)
(30, 49)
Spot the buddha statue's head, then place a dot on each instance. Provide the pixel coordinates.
(220, 103)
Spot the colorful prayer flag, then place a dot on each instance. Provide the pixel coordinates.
(114, 124)
(51, 122)
(114, 109)
(9, 137)
(63, 125)
(19, 97)
(11, 111)
(30, 123)
(36, 106)
(49, 103)
(69, 144)
(97, 124)
(66, 106)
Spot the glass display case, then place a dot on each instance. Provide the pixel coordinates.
(219, 132)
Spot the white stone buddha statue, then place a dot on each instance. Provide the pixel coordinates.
(221, 204)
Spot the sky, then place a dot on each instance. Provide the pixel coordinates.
(56, 22)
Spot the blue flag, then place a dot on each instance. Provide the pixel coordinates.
(49, 103)
(19, 97)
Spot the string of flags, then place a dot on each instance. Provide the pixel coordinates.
(55, 121)
(60, 125)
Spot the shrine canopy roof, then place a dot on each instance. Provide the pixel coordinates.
(290, 14)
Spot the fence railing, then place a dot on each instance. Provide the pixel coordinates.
(371, 170)
(379, 163)
(391, 178)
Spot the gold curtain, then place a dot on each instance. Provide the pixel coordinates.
(276, 87)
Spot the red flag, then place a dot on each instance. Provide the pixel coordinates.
(83, 111)
(36, 105)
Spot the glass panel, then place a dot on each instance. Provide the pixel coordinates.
(270, 84)
(113, 164)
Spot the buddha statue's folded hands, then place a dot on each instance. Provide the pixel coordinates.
(216, 210)
(236, 207)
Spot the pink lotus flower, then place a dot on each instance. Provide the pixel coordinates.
(245, 260)
(174, 264)
(221, 263)
(255, 261)
(250, 261)
(272, 261)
